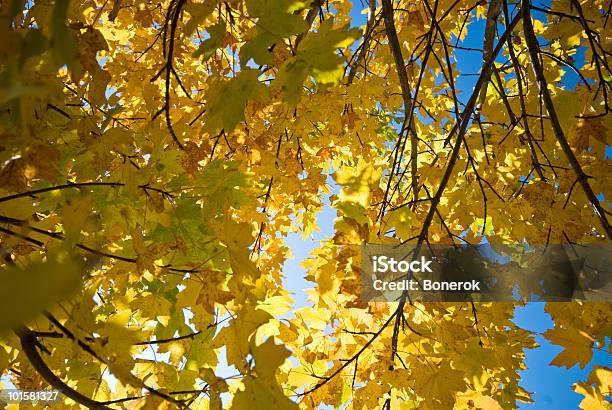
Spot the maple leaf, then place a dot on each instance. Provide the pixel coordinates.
(261, 391)
(316, 56)
(179, 147)
(577, 347)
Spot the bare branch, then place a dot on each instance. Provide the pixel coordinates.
(489, 39)
(532, 45)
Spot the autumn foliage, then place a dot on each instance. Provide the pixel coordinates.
(154, 156)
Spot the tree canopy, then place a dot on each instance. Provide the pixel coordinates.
(154, 156)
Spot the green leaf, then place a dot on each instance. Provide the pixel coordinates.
(227, 100)
(320, 48)
(291, 78)
(317, 57)
(28, 292)
(198, 12)
(62, 39)
(276, 20)
(15, 8)
(210, 45)
(201, 352)
(35, 43)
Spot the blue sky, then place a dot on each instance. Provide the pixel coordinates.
(550, 385)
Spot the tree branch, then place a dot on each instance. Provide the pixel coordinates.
(312, 13)
(172, 18)
(462, 128)
(352, 359)
(77, 185)
(533, 47)
(396, 51)
(59, 236)
(489, 39)
(365, 45)
(28, 342)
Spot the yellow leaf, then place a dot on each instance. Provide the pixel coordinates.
(261, 390)
(276, 305)
(358, 182)
(592, 400)
(578, 347)
(402, 219)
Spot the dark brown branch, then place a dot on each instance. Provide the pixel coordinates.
(57, 188)
(72, 337)
(451, 77)
(169, 340)
(462, 128)
(396, 51)
(325, 379)
(77, 185)
(28, 342)
(532, 45)
(59, 236)
(365, 45)
(558, 13)
(517, 71)
(59, 111)
(58, 335)
(22, 236)
(174, 10)
(312, 13)
(90, 351)
(352, 332)
(489, 39)
(568, 64)
(599, 60)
